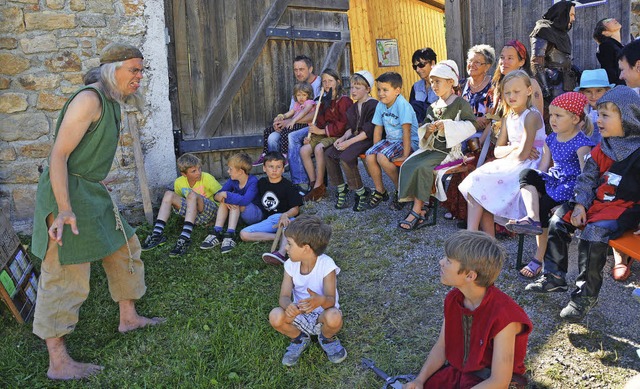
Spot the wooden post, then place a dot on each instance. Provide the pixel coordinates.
(142, 174)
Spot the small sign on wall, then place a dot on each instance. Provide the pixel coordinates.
(584, 3)
(387, 52)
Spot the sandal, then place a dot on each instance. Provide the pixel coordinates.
(534, 267)
(395, 204)
(377, 197)
(418, 222)
(526, 225)
(341, 198)
(621, 271)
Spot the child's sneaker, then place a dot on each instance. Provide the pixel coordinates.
(228, 244)
(361, 200)
(332, 347)
(274, 258)
(211, 241)
(260, 160)
(153, 241)
(578, 308)
(377, 197)
(181, 247)
(295, 349)
(547, 283)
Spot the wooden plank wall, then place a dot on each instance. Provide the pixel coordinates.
(413, 23)
(496, 22)
(209, 37)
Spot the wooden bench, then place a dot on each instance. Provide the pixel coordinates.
(628, 243)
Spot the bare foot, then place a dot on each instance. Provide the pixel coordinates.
(138, 321)
(72, 370)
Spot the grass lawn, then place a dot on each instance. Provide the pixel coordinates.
(217, 333)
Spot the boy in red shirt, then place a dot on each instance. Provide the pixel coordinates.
(483, 340)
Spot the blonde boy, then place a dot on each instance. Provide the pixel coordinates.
(395, 116)
(494, 353)
(191, 198)
(594, 84)
(235, 199)
(310, 276)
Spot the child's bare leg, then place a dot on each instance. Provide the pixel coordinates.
(531, 200)
(487, 223)
(195, 204)
(474, 214)
(305, 154)
(62, 366)
(170, 199)
(389, 168)
(375, 172)
(256, 236)
(331, 320)
(320, 165)
(234, 216)
(283, 323)
(221, 216)
(130, 320)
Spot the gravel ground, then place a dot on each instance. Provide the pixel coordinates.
(601, 352)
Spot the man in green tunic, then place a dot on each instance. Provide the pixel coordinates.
(73, 206)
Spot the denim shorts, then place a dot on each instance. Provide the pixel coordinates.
(267, 225)
(252, 214)
(208, 212)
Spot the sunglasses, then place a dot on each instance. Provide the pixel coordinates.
(420, 65)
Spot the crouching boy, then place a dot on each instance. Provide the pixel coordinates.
(483, 339)
(310, 276)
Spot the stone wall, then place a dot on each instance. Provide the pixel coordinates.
(45, 48)
(635, 18)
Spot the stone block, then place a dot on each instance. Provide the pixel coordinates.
(133, 27)
(12, 64)
(4, 83)
(50, 102)
(49, 21)
(66, 61)
(13, 102)
(78, 32)
(68, 89)
(8, 43)
(24, 201)
(100, 7)
(91, 20)
(11, 20)
(39, 44)
(7, 152)
(36, 150)
(67, 43)
(35, 82)
(77, 5)
(55, 4)
(19, 172)
(133, 7)
(23, 126)
(26, 1)
(74, 78)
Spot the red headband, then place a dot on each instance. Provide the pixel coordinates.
(516, 44)
(573, 102)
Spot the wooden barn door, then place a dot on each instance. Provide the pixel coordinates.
(231, 65)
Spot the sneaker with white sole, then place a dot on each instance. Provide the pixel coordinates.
(333, 348)
(181, 247)
(211, 241)
(259, 161)
(295, 349)
(153, 241)
(274, 258)
(228, 244)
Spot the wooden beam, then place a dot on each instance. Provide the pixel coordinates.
(181, 45)
(334, 53)
(221, 104)
(454, 33)
(435, 3)
(338, 5)
(221, 143)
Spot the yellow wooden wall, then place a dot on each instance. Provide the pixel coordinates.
(413, 23)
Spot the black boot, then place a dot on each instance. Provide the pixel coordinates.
(556, 258)
(591, 259)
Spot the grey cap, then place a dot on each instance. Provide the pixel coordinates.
(116, 52)
(628, 102)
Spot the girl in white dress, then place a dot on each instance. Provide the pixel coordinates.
(493, 190)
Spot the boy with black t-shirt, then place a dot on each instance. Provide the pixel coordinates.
(279, 202)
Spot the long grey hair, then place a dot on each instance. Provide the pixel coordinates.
(106, 75)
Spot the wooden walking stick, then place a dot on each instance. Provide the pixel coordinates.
(276, 241)
(323, 98)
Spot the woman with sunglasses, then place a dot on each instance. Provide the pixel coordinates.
(421, 94)
(607, 34)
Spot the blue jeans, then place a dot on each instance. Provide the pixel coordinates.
(296, 168)
(273, 141)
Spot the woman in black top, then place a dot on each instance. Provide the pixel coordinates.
(607, 34)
